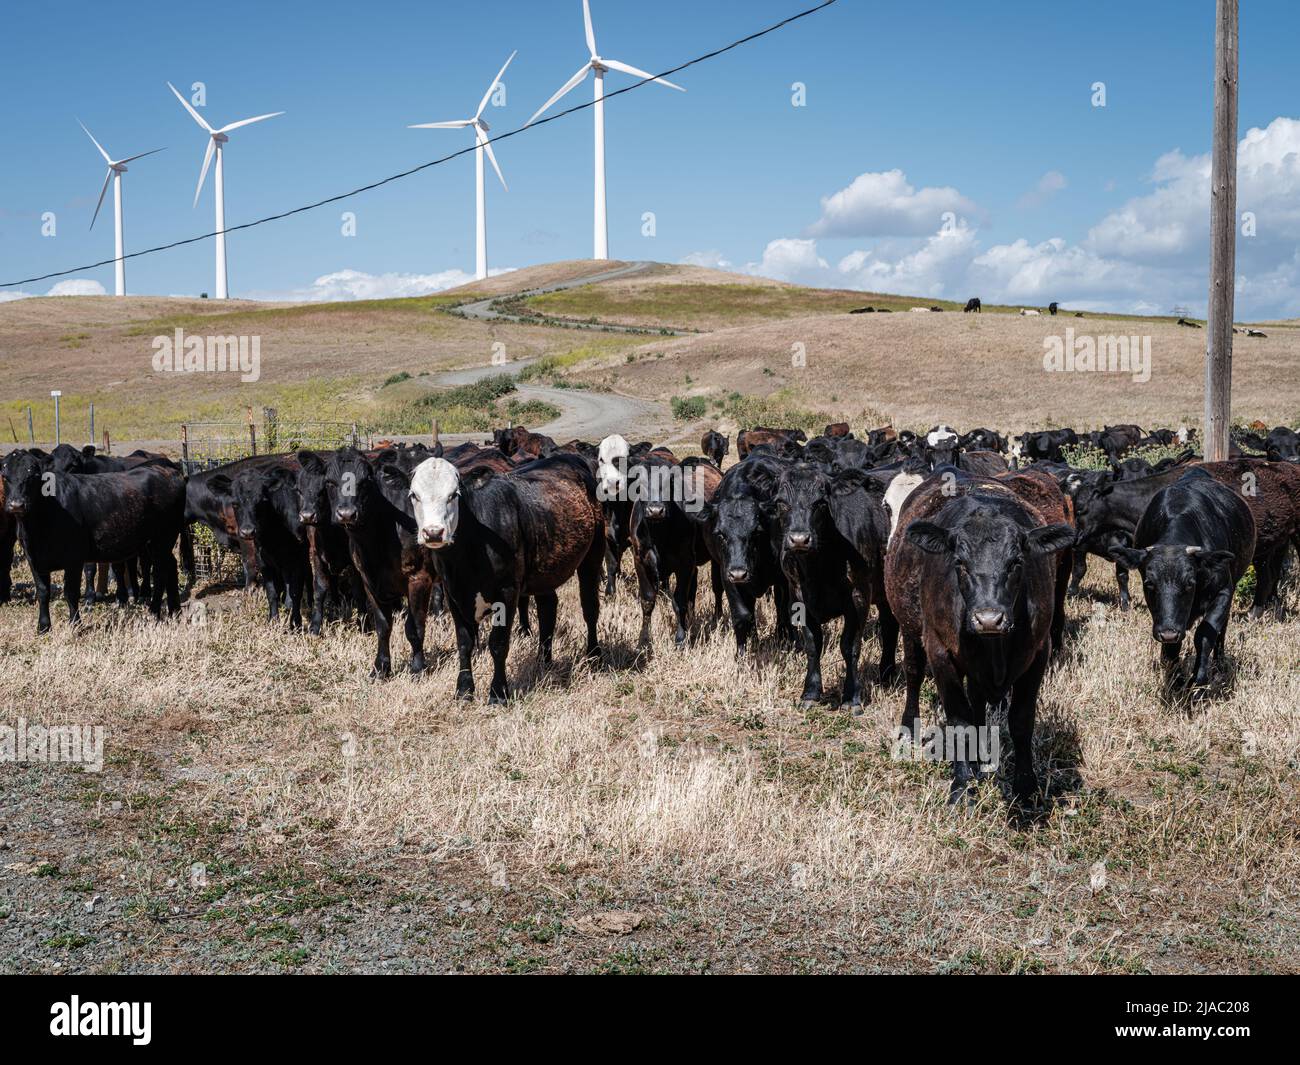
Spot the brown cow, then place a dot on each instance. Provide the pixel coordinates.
(837, 429)
(761, 434)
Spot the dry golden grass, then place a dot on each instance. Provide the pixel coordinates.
(697, 771)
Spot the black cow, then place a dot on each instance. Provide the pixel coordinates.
(741, 537)
(1045, 444)
(1192, 546)
(1052, 308)
(494, 538)
(973, 579)
(334, 579)
(715, 446)
(1114, 440)
(66, 520)
(972, 304)
(268, 515)
(1281, 445)
(984, 440)
(827, 576)
(373, 508)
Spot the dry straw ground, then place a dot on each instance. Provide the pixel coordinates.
(346, 823)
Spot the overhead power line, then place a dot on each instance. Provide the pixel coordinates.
(435, 162)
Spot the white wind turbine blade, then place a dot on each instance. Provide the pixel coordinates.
(460, 123)
(614, 64)
(567, 87)
(493, 160)
(207, 162)
(132, 158)
(591, 34)
(247, 122)
(107, 178)
(488, 95)
(186, 104)
(95, 143)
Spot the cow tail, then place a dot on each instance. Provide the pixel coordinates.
(187, 556)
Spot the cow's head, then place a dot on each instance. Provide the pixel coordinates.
(611, 469)
(251, 492)
(435, 501)
(1171, 575)
(351, 486)
(802, 507)
(739, 523)
(987, 553)
(24, 477)
(902, 486)
(313, 502)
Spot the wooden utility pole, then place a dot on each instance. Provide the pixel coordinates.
(1223, 235)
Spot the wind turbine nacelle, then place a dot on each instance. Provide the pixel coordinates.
(482, 125)
(220, 138)
(598, 66)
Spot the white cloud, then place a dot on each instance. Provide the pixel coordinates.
(1044, 189)
(883, 205)
(791, 259)
(73, 286)
(712, 258)
(358, 285)
(1148, 256)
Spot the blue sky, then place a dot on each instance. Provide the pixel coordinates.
(987, 114)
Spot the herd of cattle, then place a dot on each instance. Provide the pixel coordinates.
(966, 544)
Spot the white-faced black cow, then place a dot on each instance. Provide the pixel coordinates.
(494, 538)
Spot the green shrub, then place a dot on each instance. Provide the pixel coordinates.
(688, 408)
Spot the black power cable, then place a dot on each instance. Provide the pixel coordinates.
(436, 162)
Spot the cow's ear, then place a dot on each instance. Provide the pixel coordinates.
(476, 478)
(394, 476)
(38, 453)
(1049, 539)
(848, 481)
(1212, 559)
(1132, 557)
(220, 483)
(385, 457)
(1105, 488)
(88, 451)
(311, 462)
(929, 537)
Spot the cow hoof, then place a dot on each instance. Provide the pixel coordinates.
(417, 665)
(497, 698)
(381, 671)
(1256, 612)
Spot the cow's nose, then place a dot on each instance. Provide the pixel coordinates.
(1168, 635)
(655, 511)
(246, 532)
(432, 534)
(798, 541)
(737, 575)
(989, 621)
(307, 517)
(15, 508)
(346, 515)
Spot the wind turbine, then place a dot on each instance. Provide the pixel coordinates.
(481, 145)
(599, 66)
(116, 168)
(217, 138)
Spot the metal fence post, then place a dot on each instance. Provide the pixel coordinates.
(31, 428)
(92, 425)
(56, 393)
(185, 448)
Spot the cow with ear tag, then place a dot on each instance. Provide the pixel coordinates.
(1192, 546)
(494, 538)
(974, 578)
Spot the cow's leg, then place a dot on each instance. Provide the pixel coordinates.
(295, 580)
(461, 614)
(1078, 571)
(383, 618)
(1209, 635)
(887, 626)
(814, 638)
(273, 586)
(88, 578)
(418, 593)
(167, 570)
(957, 714)
(1063, 567)
(647, 577)
(855, 692)
(1024, 705)
(715, 575)
(785, 628)
(41, 578)
(525, 629)
(740, 601)
(72, 592)
(133, 580)
(684, 588)
(1121, 578)
(101, 580)
(613, 562)
(119, 579)
(589, 596)
(499, 648)
(1267, 571)
(914, 674)
(6, 563)
(321, 587)
(548, 604)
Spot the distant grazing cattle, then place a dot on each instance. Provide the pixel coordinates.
(1192, 545)
(974, 580)
(715, 446)
(1052, 308)
(1190, 325)
(1116, 439)
(519, 444)
(837, 429)
(495, 538)
(1281, 445)
(919, 310)
(1255, 333)
(1027, 313)
(66, 520)
(1167, 437)
(936, 308)
(779, 439)
(972, 304)
(863, 310)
